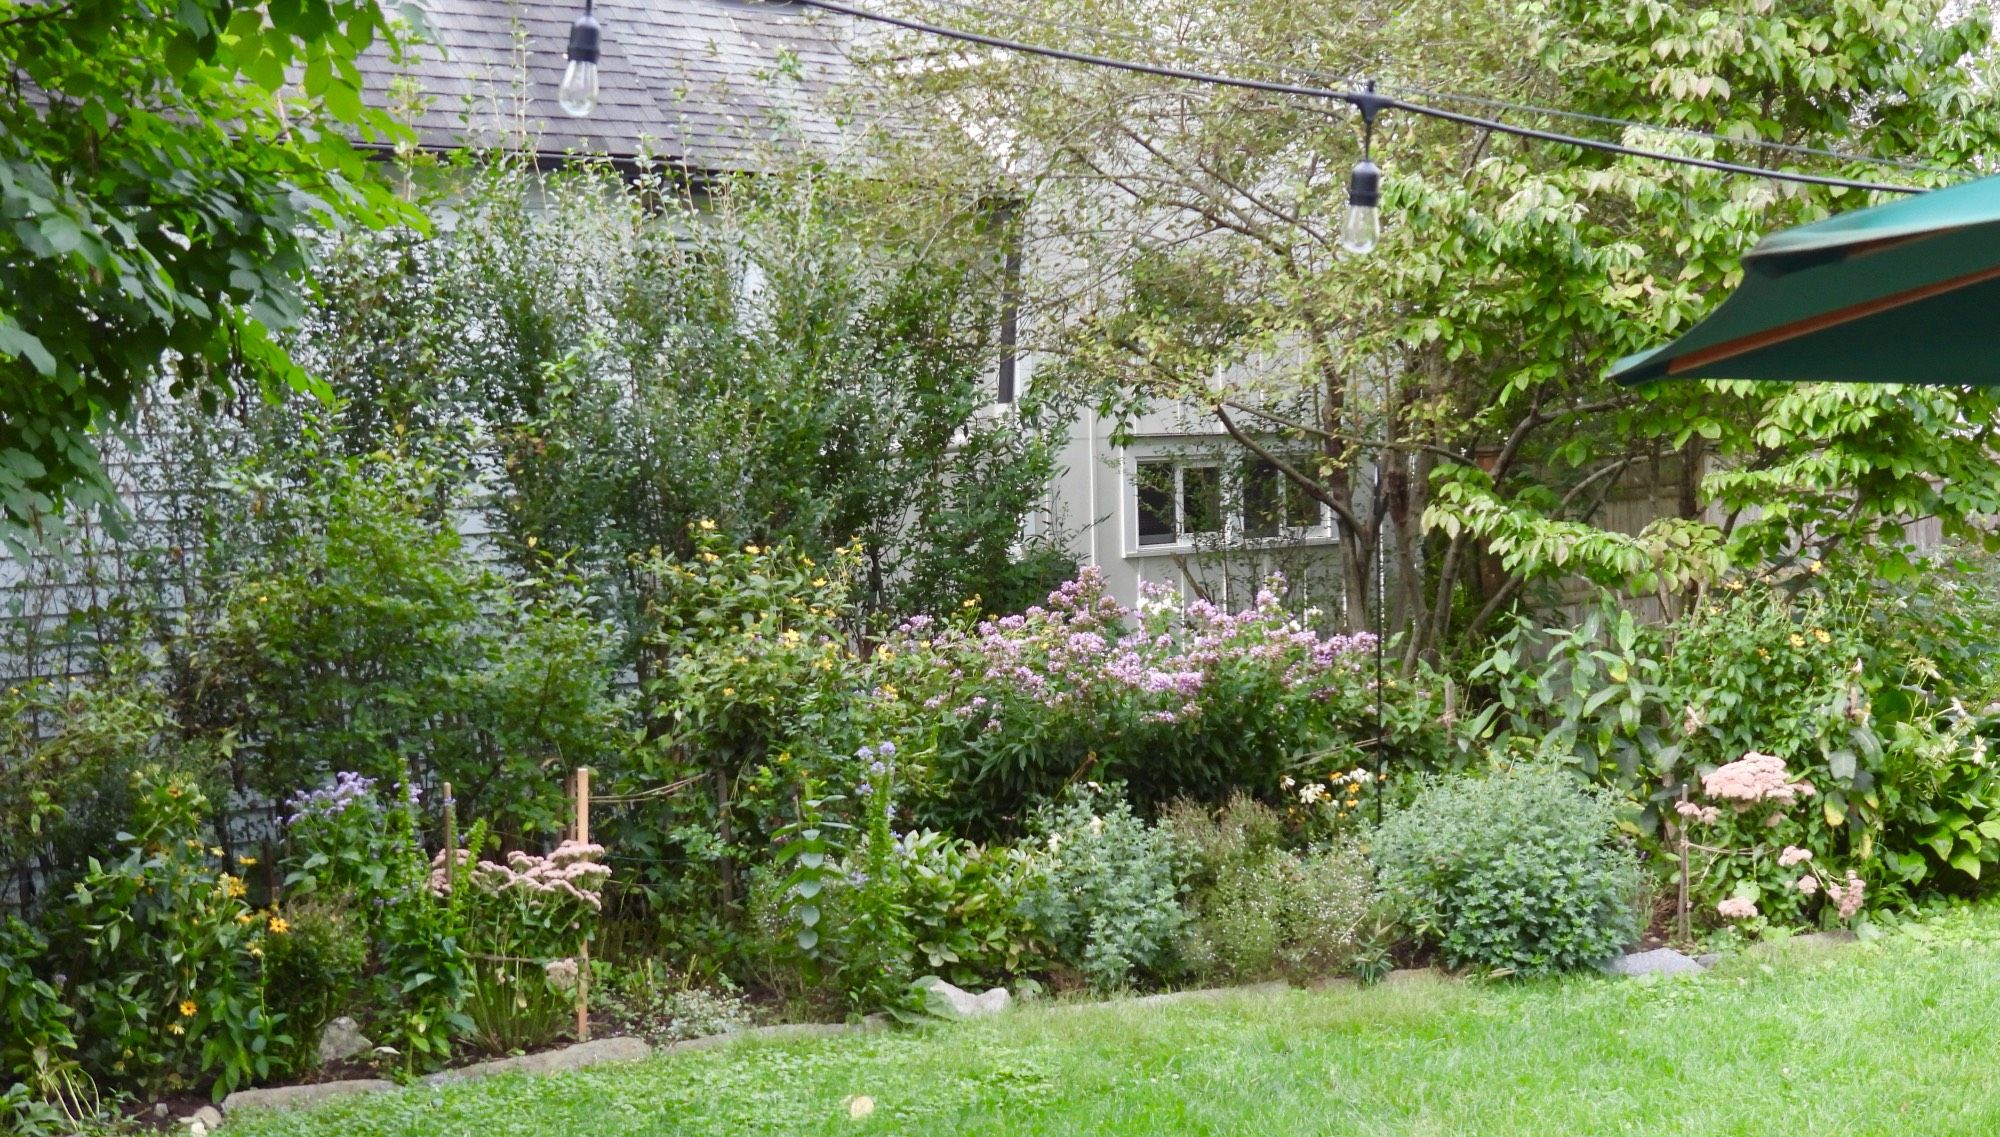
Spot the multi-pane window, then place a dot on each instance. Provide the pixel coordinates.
(1180, 500)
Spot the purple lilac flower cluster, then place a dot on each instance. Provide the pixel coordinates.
(345, 790)
(1084, 649)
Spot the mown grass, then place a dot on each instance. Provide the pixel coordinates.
(1899, 1036)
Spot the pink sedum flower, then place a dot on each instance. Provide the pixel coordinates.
(1737, 908)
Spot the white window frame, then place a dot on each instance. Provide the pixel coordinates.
(1229, 464)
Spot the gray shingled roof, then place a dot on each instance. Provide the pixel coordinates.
(709, 84)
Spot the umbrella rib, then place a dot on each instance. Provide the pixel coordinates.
(1757, 341)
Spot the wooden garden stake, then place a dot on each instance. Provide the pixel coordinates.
(583, 952)
(1680, 826)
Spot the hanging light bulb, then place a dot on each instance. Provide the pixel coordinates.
(1363, 226)
(578, 93)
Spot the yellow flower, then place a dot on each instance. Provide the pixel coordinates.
(885, 655)
(235, 888)
(187, 1008)
(245, 918)
(1822, 636)
(215, 850)
(752, 550)
(256, 952)
(1813, 568)
(819, 582)
(172, 1028)
(245, 861)
(729, 692)
(790, 636)
(710, 558)
(1798, 640)
(707, 525)
(279, 926)
(806, 561)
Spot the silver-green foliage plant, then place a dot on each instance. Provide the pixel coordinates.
(1109, 902)
(1521, 872)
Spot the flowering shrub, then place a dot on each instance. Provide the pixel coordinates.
(524, 922)
(1107, 901)
(355, 845)
(1764, 848)
(1521, 872)
(164, 955)
(749, 683)
(1172, 704)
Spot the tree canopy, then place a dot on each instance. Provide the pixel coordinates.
(160, 163)
(1189, 254)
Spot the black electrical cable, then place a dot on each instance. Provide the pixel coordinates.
(1447, 96)
(1356, 99)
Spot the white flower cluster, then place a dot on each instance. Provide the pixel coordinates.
(571, 870)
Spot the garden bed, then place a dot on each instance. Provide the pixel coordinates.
(1788, 1041)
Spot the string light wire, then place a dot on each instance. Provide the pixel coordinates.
(1357, 99)
(1335, 78)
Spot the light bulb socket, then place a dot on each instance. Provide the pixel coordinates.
(584, 38)
(1364, 185)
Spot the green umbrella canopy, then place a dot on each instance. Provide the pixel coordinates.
(1907, 292)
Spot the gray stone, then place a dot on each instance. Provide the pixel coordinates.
(1205, 994)
(278, 1096)
(1413, 975)
(208, 1117)
(1659, 961)
(963, 1004)
(597, 1052)
(342, 1039)
(1709, 960)
(160, 1110)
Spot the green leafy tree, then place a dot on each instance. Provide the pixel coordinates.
(1187, 254)
(160, 163)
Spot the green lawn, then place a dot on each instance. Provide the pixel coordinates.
(1899, 1036)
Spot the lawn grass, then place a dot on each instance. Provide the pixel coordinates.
(1899, 1036)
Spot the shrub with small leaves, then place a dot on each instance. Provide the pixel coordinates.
(1520, 872)
(1258, 909)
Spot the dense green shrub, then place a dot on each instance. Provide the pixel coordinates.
(1108, 901)
(1519, 872)
(1259, 910)
(69, 750)
(366, 638)
(313, 972)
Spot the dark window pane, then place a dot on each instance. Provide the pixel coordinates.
(1262, 490)
(1301, 508)
(1156, 503)
(1201, 499)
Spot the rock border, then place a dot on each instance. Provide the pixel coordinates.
(576, 1056)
